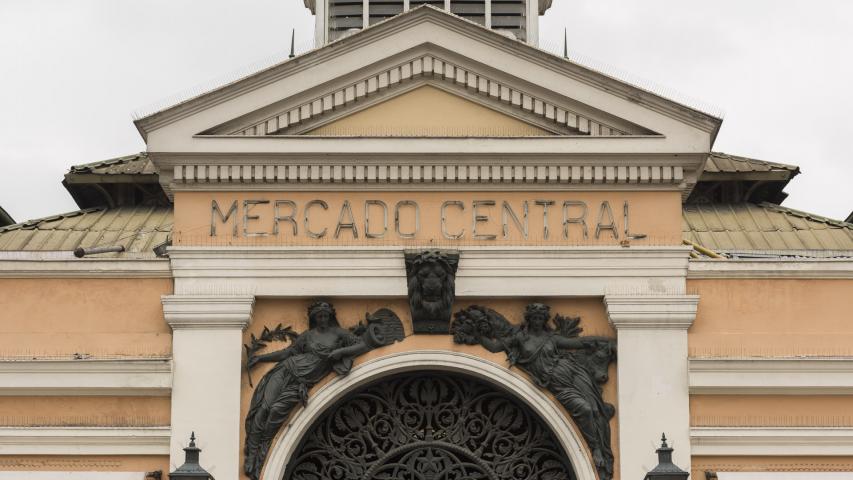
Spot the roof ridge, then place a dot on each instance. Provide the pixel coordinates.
(806, 215)
(80, 168)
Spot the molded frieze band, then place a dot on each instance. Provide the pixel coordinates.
(84, 440)
(208, 311)
(380, 271)
(771, 376)
(651, 311)
(150, 376)
(425, 174)
(771, 441)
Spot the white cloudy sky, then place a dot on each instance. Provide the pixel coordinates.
(73, 71)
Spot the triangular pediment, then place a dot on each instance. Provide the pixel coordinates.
(425, 111)
(500, 84)
(431, 88)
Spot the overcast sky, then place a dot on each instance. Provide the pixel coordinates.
(72, 72)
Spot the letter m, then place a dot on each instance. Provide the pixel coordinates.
(216, 212)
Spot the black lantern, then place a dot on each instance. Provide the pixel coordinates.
(666, 470)
(191, 469)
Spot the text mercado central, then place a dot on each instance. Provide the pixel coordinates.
(481, 219)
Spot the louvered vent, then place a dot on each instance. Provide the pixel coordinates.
(504, 16)
(344, 16)
(508, 16)
(434, 3)
(382, 9)
(474, 10)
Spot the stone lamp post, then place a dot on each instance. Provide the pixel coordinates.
(191, 470)
(666, 470)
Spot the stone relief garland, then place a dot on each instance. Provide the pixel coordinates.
(573, 368)
(429, 425)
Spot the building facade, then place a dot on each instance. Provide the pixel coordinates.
(427, 249)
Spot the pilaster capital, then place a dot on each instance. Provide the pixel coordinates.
(663, 312)
(208, 311)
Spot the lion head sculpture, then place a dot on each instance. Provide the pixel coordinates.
(432, 284)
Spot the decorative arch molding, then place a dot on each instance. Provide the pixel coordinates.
(552, 416)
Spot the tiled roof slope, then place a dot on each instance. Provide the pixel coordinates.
(744, 227)
(139, 229)
(136, 164)
(724, 163)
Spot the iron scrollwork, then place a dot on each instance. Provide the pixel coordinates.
(429, 425)
(325, 347)
(431, 276)
(571, 367)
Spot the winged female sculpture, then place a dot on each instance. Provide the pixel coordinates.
(325, 347)
(573, 368)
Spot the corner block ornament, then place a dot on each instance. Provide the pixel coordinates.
(325, 347)
(571, 367)
(431, 276)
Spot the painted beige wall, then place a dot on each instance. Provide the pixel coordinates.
(85, 411)
(771, 411)
(271, 312)
(701, 464)
(429, 111)
(656, 214)
(771, 317)
(98, 317)
(108, 463)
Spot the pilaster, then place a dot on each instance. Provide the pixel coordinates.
(207, 350)
(652, 376)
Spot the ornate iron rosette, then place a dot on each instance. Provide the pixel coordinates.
(429, 426)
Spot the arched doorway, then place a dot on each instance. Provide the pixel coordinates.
(429, 425)
(510, 382)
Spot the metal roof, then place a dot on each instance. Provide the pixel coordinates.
(724, 163)
(139, 229)
(744, 227)
(136, 164)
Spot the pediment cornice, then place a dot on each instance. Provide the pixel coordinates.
(304, 113)
(213, 172)
(440, 25)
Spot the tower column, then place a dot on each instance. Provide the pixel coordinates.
(207, 338)
(652, 379)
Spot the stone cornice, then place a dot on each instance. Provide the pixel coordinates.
(651, 311)
(771, 441)
(208, 311)
(828, 268)
(120, 377)
(771, 376)
(84, 440)
(380, 271)
(36, 264)
(439, 176)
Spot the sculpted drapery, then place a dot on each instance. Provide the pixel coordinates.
(324, 348)
(572, 368)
